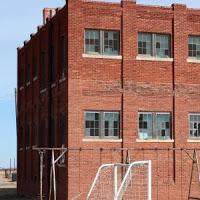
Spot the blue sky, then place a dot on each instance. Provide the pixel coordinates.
(19, 18)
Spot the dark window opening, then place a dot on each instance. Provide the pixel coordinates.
(63, 127)
(53, 70)
(35, 67)
(43, 71)
(28, 73)
(63, 56)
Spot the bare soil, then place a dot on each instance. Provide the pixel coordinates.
(8, 190)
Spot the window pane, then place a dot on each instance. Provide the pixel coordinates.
(194, 125)
(43, 71)
(63, 121)
(35, 67)
(92, 124)
(27, 135)
(52, 132)
(194, 47)
(21, 76)
(162, 126)
(145, 126)
(42, 132)
(28, 73)
(63, 55)
(111, 42)
(111, 124)
(162, 46)
(53, 70)
(92, 41)
(145, 44)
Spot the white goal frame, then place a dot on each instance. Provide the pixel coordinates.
(118, 193)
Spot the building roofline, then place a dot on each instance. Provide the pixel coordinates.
(40, 28)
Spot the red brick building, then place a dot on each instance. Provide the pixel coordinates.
(117, 75)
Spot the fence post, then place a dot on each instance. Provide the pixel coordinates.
(41, 174)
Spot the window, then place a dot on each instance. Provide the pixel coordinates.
(102, 42)
(35, 67)
(28, 73)
(41, 138)
(63, 121)
(154, 126)
(155, 45)
(111, 42)
(21, 137)
(102, 124)
(21, 76)
(194, 124)
(52, 137)
(145, 44)
(35, 134)
(43, 71)
(194, 47)
(53, 71)
(27, 135)
(63, 55)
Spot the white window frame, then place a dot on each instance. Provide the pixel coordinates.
(193, 58)
(154, 125)
(153, 46)
(189, 115)
(101, 43)
(101, 125)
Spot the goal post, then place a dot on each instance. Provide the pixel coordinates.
(137, 177)
(122, 181)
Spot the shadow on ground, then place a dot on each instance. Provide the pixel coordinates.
(9, 194)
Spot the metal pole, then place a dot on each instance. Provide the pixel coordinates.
(14, 163)
(41, 174)
(50, 186)
(149, 180)
(54, 174)
(115, 181)
(10, 165)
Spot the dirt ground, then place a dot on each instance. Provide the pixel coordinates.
(8, 190)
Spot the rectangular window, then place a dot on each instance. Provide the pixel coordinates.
(63, 55)
(21, 137)
(102, 42)
(27, 135)
(154, 125)
(28, 73)
(35, 67)
(41, 138)
(52, 132)
(35, 134)
(43, 71)
(102, 124)
(92, 42)
(145, 44)
(111, 43)
(21, 76)
(194, 126)
(53, 70)
(194, 47)
(155, 45)
(63, 128)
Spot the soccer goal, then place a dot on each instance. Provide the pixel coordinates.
(122, 181)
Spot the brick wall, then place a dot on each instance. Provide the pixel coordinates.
(128, 85)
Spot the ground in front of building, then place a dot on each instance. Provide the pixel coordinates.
(8, 190)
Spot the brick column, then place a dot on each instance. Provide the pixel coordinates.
(129, 53)
(180, 51)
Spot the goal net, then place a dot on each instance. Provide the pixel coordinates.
(122, 181)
